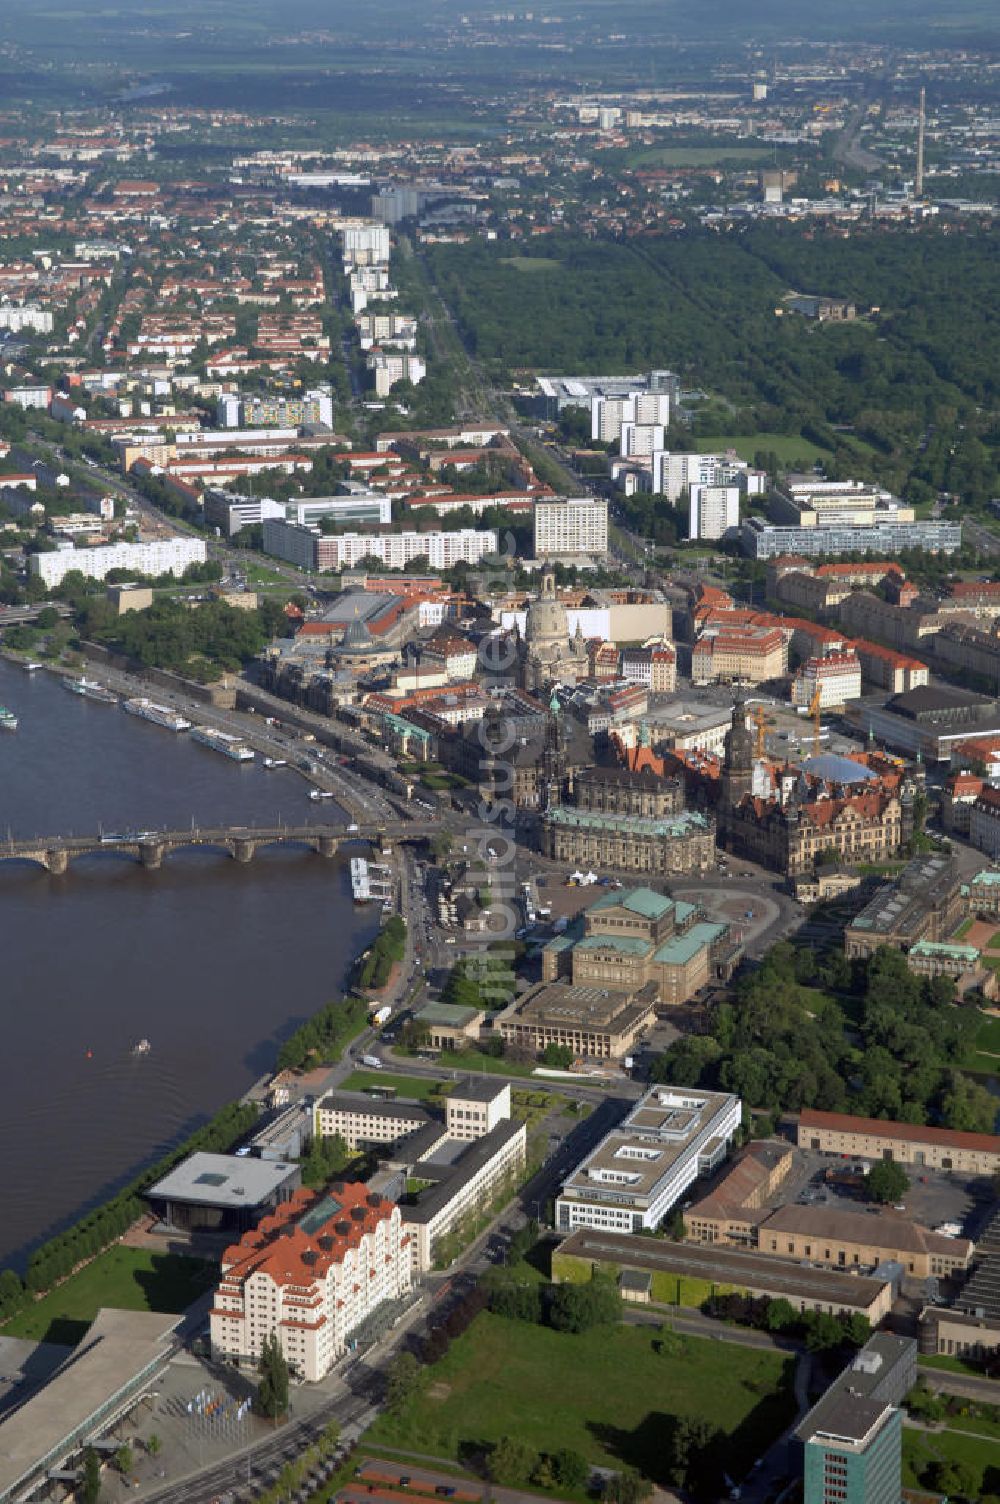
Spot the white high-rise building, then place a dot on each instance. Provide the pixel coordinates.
(393, 366)
(575, 525)
(367, 245)
(608, 414)
(20, 316)
(714, 510)
(639, 440)
(164, 556)
(674, 472)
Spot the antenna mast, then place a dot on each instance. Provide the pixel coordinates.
(919, 183)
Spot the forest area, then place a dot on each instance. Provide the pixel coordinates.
(904, 395)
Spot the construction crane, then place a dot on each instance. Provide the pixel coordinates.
(814, 707)
(760, 738)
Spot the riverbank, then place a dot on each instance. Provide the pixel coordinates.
(92, 963)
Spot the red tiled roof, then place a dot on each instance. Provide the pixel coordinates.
(278, 1246)
(842, 1122)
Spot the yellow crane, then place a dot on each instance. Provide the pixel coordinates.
(814, 705)
(760, 739)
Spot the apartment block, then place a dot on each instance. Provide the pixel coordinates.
(836, 677)
(767, 540)
(164, 556)
(887, 669)
(675, 472)
(389, 367)
(576, 525)
(306, 547)
(714, 510)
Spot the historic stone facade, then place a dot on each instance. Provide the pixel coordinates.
(664, 846)
(791, 836)
(619, 791)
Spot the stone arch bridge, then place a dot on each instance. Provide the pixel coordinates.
(241, 842)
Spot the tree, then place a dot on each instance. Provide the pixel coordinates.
(956, 1479)
(887, 1182)
(579, 1308)
(511, 1296)
(627, 1487)
(824, 1332)
(124, 1459)
(153, 1445)
(512, 1462)
(781, 1314)
(557, 1056)
(570, 1469)
(406, 1377)
(674, 1225)
(91, 1485)
(272, 1388)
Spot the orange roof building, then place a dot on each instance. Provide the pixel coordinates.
(309, 1274)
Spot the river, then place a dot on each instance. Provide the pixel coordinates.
(213, 962)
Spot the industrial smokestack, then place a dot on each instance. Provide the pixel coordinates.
(919, 183)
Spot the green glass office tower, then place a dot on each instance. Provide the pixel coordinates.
(852, 1455)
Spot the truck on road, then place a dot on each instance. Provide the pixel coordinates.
(372, 1061)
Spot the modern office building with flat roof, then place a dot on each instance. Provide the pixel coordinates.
(852, 1437)
(222, 1192)
(120, 1357)
(363, 1121)
(641, 1169)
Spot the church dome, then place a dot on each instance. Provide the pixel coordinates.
(356, 638)
(546, 620)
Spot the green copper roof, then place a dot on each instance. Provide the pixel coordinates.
(988, 878)
(637, 900)
(683, 948)
(447, 1013)
(630, 945)
(672, 826)
(967, 953)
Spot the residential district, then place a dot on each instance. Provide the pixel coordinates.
(652, 677)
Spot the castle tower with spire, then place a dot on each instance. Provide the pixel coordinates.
(553, 778)
(737, 764)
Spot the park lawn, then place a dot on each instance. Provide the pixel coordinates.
(949, 1365)
(964, 928)
(699, 156)
(532, 263)
(417, 1087)
(475, 1060)
(604, 1394)
(923, 1447)
(789, 447)
(988, 1034)
(134, 1279)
